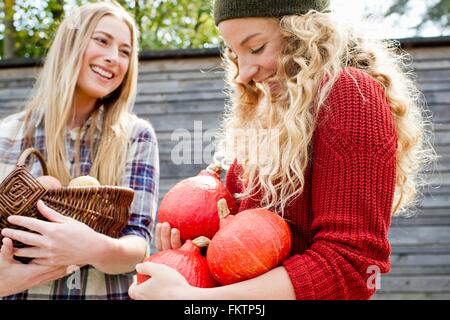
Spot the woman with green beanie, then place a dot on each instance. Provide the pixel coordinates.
(351, 142)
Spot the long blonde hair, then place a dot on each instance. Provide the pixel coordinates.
(316, 49)
(54, 96)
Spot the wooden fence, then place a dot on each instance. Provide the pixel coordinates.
(181, 93)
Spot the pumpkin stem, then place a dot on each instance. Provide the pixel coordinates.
(222, 208)
(201, 242)
(215, 168)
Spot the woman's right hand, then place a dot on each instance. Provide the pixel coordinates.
(167, 237)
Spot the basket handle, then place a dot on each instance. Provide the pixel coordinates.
(26, 153)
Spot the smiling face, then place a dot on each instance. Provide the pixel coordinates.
(257, 44)
(106, 59)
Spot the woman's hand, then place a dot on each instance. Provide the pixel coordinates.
(165, 283)
(62, 241)
(16, 277)
(166, 237)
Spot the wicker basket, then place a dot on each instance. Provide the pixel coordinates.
(105, 209)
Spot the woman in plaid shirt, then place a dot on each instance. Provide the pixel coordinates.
(80, 119)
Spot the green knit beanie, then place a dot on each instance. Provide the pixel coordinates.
(230, 9)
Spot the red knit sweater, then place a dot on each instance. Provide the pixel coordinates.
(341, 220)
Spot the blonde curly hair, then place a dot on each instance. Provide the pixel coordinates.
(316, 48)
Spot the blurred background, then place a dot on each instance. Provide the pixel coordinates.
(181, 92)
(26, 26)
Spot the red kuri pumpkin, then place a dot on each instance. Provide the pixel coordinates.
(191, 205)
(247, 245)
(188, 261)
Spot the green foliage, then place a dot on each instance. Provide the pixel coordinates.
(399, 6)
(174, 24)
(163, 24)
(438, 11)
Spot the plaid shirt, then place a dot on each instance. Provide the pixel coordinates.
(141, 174)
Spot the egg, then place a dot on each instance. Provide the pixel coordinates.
(49, 182)
(84, 181)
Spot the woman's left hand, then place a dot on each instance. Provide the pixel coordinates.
(62, 241)
(165, 283)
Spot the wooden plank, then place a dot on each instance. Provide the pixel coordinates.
(435, 64)
(13, 104)
(183, 121)
(17, 83)
(165, 135)
(191, 85)
(410, 296)
(14, 93)
(433, 75)
(4, 112)
(443, 163)
(187, 75)
(420, 284)
(7, 94)
(168, 182)
(422, 220)
(185, 154)
(437, 201)
(439, 179)
(185, 146)
(443, 149)
(414, 236)
(442, 127)
(434, 212)
(180, 96)
(419, 259)
(418, 270)
(429, 53)
(170, 140)
(439, 189)
(442, 137)
(432, 249)
(18, 73)
(197, 143)
(436, 197)
(442, 85)
(179, 65)
(180, 171)
(437, 97)
(191, 107)
(29, 77)
(440, 118)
